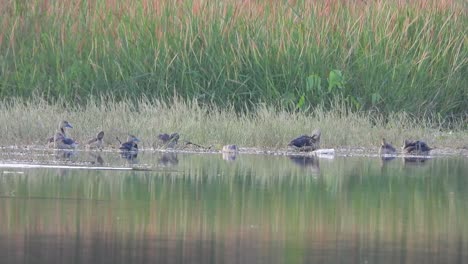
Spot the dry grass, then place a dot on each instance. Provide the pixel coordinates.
(31, 122)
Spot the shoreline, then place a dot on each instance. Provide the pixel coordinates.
(324, 153)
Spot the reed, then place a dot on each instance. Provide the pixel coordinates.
(392, 56)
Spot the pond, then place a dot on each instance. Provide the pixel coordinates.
(92, 207)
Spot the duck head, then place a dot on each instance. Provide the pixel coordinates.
(132, 138)
(65, 124)
(100, 135)
(316, 134)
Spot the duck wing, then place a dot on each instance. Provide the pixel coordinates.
(164, 137)
(301, 141)
(129, 145)
(68, 141)
(422, 146)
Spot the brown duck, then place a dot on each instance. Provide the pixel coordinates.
(60, 139)
(97, 142)
(416, 147)
(386, 148)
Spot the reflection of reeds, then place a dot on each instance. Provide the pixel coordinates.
(265, 198)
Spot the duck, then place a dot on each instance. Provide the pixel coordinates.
(230, 149)
(169, 140)
(97, 142)
(229, 152)
(62, 142)
(130, 144)
(386, 148)
(307, 143)
(416, 147)
(60, 139)
(61, 130)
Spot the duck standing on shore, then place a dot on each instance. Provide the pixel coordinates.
(60, 139)
(130, 144)
(416, 147)
(307, 143)
(97, 142)
(386, 148)
(61, 130)
(170, 141)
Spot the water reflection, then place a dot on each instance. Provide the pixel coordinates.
(259, 209)
(168, 159)
(130, 156)
(415, 160)
(307, 162)
(387, 158)
(96, 158)
(63, 154)
(229, 156)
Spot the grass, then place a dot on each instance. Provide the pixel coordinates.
(393, 57)
(30, 122)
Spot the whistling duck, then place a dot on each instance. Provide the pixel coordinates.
(386, 148)
(307, 143)
(97, 142)
(230, 148)
(169, 140)
(130, 144)
(415, 147)
(60, 139)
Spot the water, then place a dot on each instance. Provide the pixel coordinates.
(194, 208)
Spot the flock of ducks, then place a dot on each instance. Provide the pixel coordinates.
(60, 140)
(412, 147)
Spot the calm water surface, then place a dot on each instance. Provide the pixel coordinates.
(193, 208)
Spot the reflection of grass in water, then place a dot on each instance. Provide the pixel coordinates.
(33, 122)
(255, 197)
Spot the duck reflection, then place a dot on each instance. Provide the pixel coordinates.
(96, 159)
(416, 160)
(386, 159)
(168, 159)
(65, 154)
(229, 156)
(129, 155)
(230, 152)
(306, 162)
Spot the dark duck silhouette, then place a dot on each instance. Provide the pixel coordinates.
(60, 139)
(169, 140)
(311, 163)
(386, 148)
(130, 144)
(97, 142)
(416, 147)
(307, 143)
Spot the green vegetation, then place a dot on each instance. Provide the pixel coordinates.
(377, 55)
(31, 122)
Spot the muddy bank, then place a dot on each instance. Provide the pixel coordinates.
(340, 152)
(330, 152)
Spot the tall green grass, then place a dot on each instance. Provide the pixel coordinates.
(392, 56)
